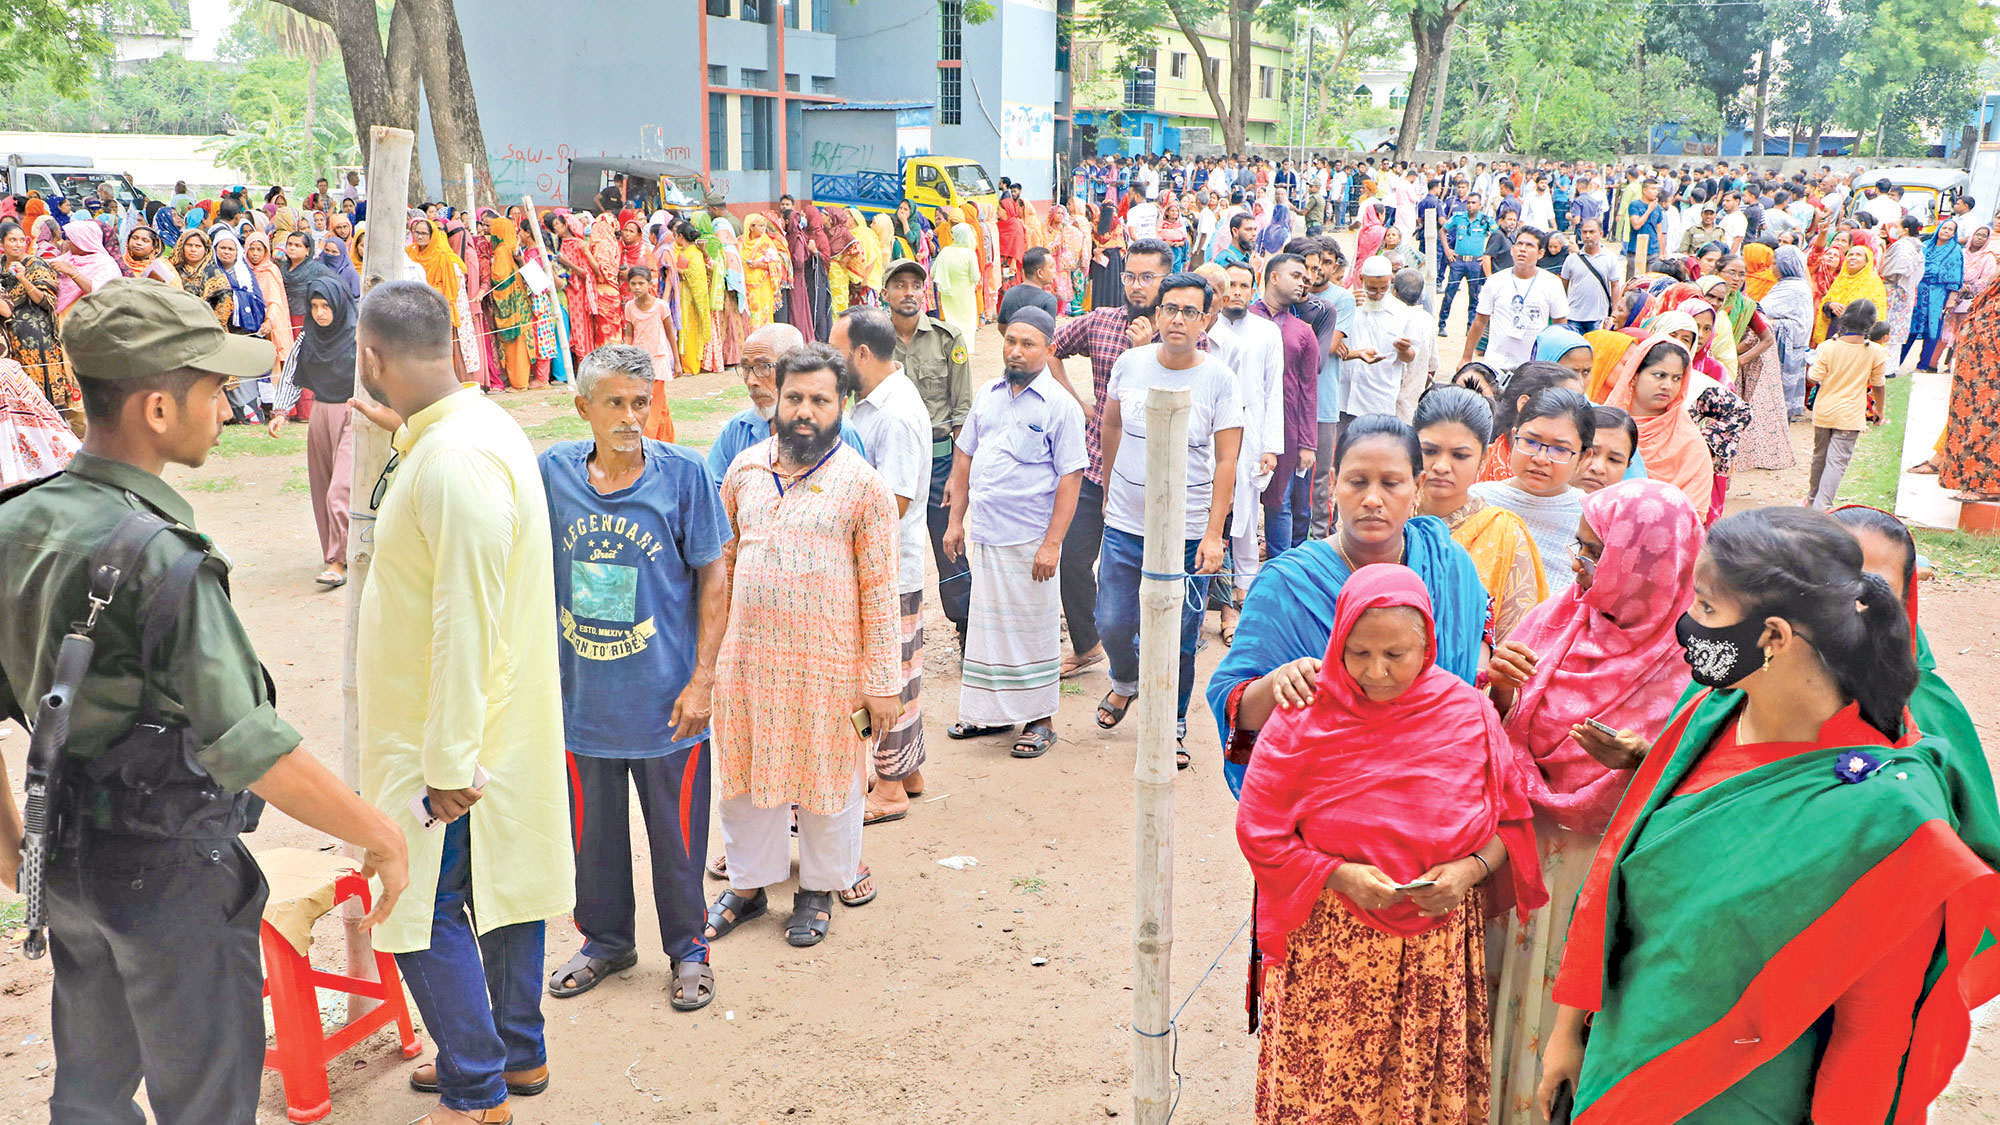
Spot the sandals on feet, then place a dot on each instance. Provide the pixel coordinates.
(874, 814)
(1181, 759)
(585, 973)
(1926, 468)
(861, 892)
(730, 910)
(691, 979)
(963, 730)
(1035, 741)
(718, 868)
(1116, 711)
(331, 579)
(812, 913)
(1078, 664)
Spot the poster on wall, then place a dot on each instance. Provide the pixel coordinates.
(913, 132)
(1027, 132)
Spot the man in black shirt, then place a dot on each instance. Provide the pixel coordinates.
(1038, 278)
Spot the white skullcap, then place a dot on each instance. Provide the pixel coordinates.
(1377, 266)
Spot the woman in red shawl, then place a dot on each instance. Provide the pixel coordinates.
(819, 257)
(606, 266)
(1013, 239)
(1385, 817)
(1603, 649)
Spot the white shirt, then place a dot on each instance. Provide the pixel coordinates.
(1215, 409)
(1588, 299)
(1518, 309)
(1885, 209)
(1734, 224)
(895, 428)
(1254, 349)
(1373, 388)
(1142, 221)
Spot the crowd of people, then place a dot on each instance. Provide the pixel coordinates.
(1501, 677)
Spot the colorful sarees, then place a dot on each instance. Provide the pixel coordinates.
(697, 302)
(1509, 567)
(1849, 286)
(512, 306)
(1826, 861)
(767, 268)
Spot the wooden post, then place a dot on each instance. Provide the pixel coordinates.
(549, 263)
(389, 154)
(471, 193)
(1160, 601)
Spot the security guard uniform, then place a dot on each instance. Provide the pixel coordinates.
(154, 930)
(939, 361)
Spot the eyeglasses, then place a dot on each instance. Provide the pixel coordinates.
(1581, 556)
(1559, 454)
(1180, 313)
(382, 482)
(762, 369)
(1130, 278)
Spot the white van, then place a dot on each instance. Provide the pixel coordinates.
(75, 177)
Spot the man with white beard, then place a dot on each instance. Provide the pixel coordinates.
(1382, 346)
(1254, 348)
(762, 350)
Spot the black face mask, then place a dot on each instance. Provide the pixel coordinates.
(1723, 655)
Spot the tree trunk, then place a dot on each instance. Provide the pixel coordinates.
(1762, 117)
(378, 92)
(1818, 130)
(1427, 32)
(1437, 95)
(1238, 126)
(1881, 127)
(312, 91)
(466, 107)
(427, 23)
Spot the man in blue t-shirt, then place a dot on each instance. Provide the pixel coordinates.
(1646, 215)
(642, 598)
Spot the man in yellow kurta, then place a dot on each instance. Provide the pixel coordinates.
(461, 705)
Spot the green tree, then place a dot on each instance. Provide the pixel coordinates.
(1719, 43)
(295, 35)
(66, 39)
(1915, 58)
(1131, 23)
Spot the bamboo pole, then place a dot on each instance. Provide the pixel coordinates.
(1160, 601)
(471, 193)
(549, 264)
(389, 155)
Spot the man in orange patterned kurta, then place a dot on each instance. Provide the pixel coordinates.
(813, 637)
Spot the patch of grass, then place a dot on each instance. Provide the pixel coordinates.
(562, 427)
(1030, 884)
(296, 483)
(1071, 687)
(12, 915)
(1878, 457)
(256, 441)
(1961, 553)
(210, 484)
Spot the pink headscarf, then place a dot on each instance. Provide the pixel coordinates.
(90, 258)
(1607, 653)
(1402, 784)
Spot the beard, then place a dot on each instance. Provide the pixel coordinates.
(1235, 312)
(806, 448)
(1134, 308)
(1020, 378)
(765, 412)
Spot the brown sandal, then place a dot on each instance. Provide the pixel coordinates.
(1926, 468)
(694, 978)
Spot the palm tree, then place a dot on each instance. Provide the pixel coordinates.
(297, 35)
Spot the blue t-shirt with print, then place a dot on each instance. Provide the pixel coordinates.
(626, 606)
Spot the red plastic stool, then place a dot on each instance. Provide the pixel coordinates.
(303, 1046)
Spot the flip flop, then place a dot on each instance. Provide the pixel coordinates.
(331, 579)
(868, 818)
(964, 730)
(850, 897)
(1078, 665)
(718, 868)
(1924, 468)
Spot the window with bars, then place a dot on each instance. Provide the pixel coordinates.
(720, 7)
(718, 75)
(951, 30)
(822, 84)
(718, 132)
(1215, 72)
(950, 106)
(1267, 81)
(756, 133)
(792, 14)
(822, 15)
(792, 83)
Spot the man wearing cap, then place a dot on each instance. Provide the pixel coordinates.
(935, 357)
(1014, 483)
(1701, 234)
(1381, 347)
(154, 924)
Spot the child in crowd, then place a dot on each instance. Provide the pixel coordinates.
(646, 323)
(1845, 391)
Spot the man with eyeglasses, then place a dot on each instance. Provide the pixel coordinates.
(1103, 335)
(1215, 433)
(762, 350)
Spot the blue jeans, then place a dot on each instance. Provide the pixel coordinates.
(480, 996)
(1118, 613)
(1462, 269)
(1287, 505)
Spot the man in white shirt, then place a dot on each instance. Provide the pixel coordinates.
(1421, 372)
(1254, 348)
(1515, 306)
(1381, 346)
(1885, 207)
(1215, 436)
(895, 429)
(1734, 223)
(1142, 220)
(1205, 226)
(1590, 275)
(1149, 179)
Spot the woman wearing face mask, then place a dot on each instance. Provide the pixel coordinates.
(1384, 822)
(1614, 452)
(1289, 612)
(323, 363)
(1782, 921)
(1603, 650)
(1550, 433)
(1455, 426)
(1651, 386)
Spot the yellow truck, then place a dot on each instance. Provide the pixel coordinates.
(938, 186)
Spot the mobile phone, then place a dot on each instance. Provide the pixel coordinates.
(864, 726)
(1602, 728)
(420, 805)
(1418, 885)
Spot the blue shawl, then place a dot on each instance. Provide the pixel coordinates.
(1944, 262)
(1289, 614)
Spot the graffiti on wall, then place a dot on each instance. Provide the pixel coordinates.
(835, 158)
(653, 146)
(1027, 131)
(529, 170)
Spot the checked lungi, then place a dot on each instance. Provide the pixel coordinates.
(900, 752)
(1013, 640)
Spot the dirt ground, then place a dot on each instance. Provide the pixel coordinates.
(1000, 993)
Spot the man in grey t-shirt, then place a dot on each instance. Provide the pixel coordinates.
(1590, 275)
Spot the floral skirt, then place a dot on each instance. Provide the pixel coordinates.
(1767, 441)
(1365, 1027)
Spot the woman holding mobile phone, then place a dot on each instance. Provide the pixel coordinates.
(1785, 919)
(1586, 681)
(1385, 819)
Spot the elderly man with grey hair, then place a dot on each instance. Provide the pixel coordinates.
(642, 599)
(762, 350)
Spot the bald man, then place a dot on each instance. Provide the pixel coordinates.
(762, 350)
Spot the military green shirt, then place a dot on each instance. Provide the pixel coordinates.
(937, 360)
(210, 674)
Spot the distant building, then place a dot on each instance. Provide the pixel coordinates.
(190, 28)
(1118, 111)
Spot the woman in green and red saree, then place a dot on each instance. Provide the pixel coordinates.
(1787, 920)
